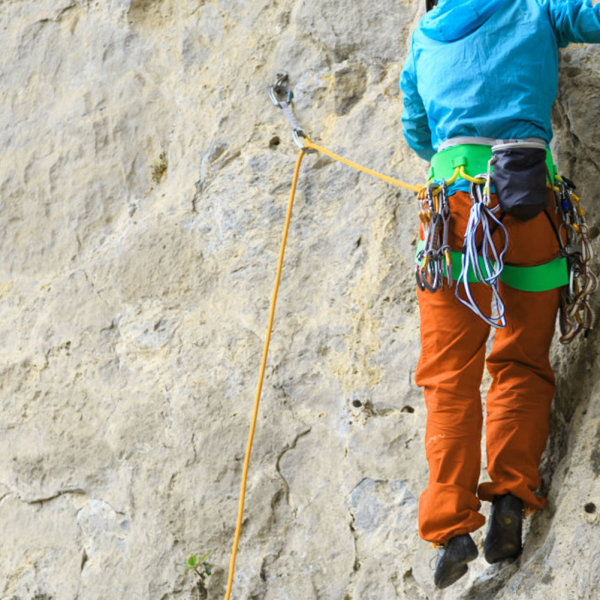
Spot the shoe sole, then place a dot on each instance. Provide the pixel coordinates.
(503, 540)
(452, 575)
(455, 571)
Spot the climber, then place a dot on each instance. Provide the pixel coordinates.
(479, 73)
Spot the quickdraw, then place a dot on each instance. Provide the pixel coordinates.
(433, 260)
(576, 314)
(281, 96)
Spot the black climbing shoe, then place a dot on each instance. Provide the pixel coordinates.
(452, 559)
(503, 538)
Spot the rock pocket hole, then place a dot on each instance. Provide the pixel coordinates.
(356, 403)
(274, 142)
(590, 508)
(408, 409)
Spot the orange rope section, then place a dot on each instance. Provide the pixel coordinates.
(312, 146)
(261, 377)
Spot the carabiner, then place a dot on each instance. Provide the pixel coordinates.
(297, 134)
(279, 92)
(419, 278)
(445, 252)
(431, 280)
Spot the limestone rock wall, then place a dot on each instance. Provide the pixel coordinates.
(144, 177)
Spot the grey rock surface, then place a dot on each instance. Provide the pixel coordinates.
(144, 178)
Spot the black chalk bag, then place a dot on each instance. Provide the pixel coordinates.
(520, 175)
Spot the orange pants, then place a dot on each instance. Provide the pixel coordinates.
(450, 369)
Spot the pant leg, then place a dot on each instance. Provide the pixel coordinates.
(519, 399)
(450, 369)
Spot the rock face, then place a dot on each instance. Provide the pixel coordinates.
(143, 187)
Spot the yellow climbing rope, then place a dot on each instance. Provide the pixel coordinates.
(261, 376)
(312, 146)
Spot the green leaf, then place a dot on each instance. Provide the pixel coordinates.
(205, 557)
(192, 561)
(208, 568)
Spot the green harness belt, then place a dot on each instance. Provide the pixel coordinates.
(474, 159)
(539, 278)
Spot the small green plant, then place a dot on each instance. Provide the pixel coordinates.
(159, 168)
(202, 569)
(194, 563)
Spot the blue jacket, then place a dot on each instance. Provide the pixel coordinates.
(488, 68)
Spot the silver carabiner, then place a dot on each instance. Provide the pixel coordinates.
(419, 277)
(279, 92)
(297, 134)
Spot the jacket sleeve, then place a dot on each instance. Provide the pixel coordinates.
(414, 117)
(574, 21)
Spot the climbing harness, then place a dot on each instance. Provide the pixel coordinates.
(576, 314)
(481, 263)
(436, 261)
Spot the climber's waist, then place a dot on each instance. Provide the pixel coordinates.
(471, 156)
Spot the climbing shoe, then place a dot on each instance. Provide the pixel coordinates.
(503, 538)
(452, 559)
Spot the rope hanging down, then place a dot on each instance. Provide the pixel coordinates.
(261, 377)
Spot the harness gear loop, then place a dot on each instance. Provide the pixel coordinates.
(445, 247)
(576, 314)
